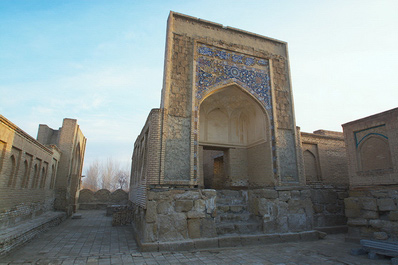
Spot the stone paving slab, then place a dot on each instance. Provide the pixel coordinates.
(93, 240)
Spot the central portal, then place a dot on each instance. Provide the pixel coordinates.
(235, 151)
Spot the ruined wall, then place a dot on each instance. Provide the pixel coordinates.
(72, 144)
(27, 175)
(372, 149)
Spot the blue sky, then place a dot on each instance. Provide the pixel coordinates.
(101, 62)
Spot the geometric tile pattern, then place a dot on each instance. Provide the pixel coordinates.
(216, 66)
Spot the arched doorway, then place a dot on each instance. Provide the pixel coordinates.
(234, 141)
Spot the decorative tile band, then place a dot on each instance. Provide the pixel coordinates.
(362, 134)
(216, 66)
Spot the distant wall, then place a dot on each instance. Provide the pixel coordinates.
(325, 158)
(90, 200)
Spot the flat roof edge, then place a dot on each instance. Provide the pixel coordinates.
(374, 116)
(176, 14)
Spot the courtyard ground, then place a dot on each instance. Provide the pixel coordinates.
(93, 240)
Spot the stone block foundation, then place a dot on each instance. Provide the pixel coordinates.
(182, 219)
(372, 213)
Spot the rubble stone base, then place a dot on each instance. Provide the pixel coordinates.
(13, 237)
(372, 213)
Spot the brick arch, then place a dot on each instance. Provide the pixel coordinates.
(25, 177)
(35, 176)
(234, 137)
(43, 177)
(11, 173)
(311, 166)
(222, 89)
(217, 88)
(374, 153)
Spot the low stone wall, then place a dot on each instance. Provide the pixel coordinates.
(328, 204)
(90, 200)
(13, 237)
(176, 214)
(23, 212)
(372, 213)
(184, 218)
(282, 209)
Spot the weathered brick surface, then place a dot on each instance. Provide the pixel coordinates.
(263, 165)
(36, 173)
(372, 152)
(22, 163)
(372, 148)
(325, 159)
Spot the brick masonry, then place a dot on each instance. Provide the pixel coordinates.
(36, 177)
(372, 150)
(229, 73)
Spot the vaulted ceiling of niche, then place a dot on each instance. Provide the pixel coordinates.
(230, 116)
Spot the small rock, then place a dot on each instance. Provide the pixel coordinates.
(380, 235)
(322, 235)
(357, 251)
(77, 216)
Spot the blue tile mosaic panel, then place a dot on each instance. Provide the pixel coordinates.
(215, 67)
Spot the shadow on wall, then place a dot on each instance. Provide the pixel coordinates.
(96, 200)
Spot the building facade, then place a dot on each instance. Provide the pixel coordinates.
(372, 150)
(36, 178)
(222, 154)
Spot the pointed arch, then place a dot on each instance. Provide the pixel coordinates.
(11, 173)
(234, 125)
(374, 153)
(35, 176)
(25, 178)
(311, 166)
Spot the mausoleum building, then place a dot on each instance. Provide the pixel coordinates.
(222, 155)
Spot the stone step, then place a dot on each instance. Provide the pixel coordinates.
(246, 227)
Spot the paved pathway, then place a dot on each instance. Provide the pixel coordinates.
(92, 240)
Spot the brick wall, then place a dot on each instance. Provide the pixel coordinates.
(372, 149)
(27, 175)
(325, 159)
(72, 144)
(183, 93)
(364, 139)
(146, 159)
